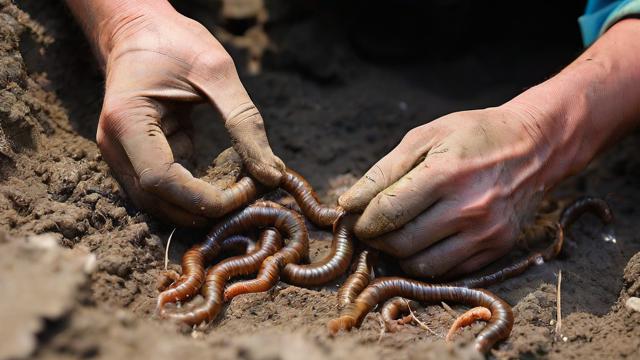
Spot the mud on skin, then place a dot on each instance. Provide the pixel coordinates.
(54, 181)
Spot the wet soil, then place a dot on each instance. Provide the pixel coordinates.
(79, 263)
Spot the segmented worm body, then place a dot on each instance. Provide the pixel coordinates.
(239, 194)
(382, 289)
(218, 275)
(262, 214)
(394, 313)
(319, 214)
(468, 318)
(357, 281)
(334, 264)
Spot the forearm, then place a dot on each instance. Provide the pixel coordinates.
(102, 19)
(591, 103)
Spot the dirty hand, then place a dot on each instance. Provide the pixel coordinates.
(158, 64)
(453, 195)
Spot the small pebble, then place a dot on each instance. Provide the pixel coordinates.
(633, 303)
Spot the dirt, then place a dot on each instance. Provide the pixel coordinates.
(79, 263)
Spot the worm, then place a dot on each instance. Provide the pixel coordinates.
(239, 194)
(468, 318)
(519, 267)
(392, 313)
(218, 275)
(596, 206)
(284, 263)
(333, 265)
(234, 244)
(238, 244)
(261, 214)
(382, 289)
(357, 281)
(319, 214)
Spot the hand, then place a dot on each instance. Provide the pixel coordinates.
(158, 65)
(454, 194)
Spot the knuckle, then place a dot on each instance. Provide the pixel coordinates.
(151, 179)
(218, 61)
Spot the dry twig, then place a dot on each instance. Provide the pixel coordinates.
(420, 323)
(166, 251)
(558, 308)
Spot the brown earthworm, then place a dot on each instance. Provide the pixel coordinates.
(468, 318)
(261, 214)
(218, 275)
(284, 263)
(239, 194)
(319, 214)
(331, 267)
(596, 206)
(357, 281)
(238, 244)
(392, 313)
(498, 328)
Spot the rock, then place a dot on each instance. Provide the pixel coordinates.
(633, 303)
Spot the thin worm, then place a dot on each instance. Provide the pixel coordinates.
(319, 214)
(394, 313)
(357, 281)
(218, 275)
(569, 215)
(261, 214)
(331, 267)
(468, 318)
(382, 289)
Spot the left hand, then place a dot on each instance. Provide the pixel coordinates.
(455, 193)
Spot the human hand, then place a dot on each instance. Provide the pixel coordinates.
(158, 64)
(454, 194)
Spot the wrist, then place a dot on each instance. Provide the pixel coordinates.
(558, 114)
(105, 22)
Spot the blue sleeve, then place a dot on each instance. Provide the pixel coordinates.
(600, 15)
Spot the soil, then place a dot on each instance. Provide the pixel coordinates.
(79, 263)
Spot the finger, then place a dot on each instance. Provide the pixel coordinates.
(387, 171)
(405, 199)
(114, 155)
(477, 261)
(249, 139)
(438, 222)
(241, 117)
(160, 208)
(441, 257)
(134, 126)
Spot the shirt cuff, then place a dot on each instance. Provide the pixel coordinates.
(601, 15)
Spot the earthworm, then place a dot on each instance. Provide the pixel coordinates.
(517, 268)
(232, 198)
(331, 267)
(284, 263)
(260, 214)
(357, 281)
(319, 214)
(218, 275)
(468, 318)
(596, 206)
(392, 312)
(238, 244)
(498, 328)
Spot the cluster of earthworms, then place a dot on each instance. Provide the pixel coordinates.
(282, 253)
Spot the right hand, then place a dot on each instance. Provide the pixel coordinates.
(159, 64)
